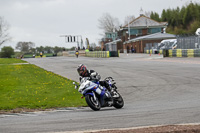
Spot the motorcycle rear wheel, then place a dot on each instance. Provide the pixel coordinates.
(118, 102)
(93, 104)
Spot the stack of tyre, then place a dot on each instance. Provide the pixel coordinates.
(197, 53)
(184, 52)
(179, 53)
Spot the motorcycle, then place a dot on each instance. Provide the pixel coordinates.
(97, 96)
(76, 53)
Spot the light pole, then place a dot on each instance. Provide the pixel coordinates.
(129, 29)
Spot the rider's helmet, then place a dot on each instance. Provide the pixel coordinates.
(82, 70)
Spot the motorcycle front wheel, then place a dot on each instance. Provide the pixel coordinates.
(92, 103)
(118, 102)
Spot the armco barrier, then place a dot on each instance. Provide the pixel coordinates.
(98, 54)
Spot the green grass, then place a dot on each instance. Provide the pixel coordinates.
(10, 61)
(28, 86)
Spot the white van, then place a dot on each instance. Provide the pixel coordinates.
(168, 44)
(198, 32)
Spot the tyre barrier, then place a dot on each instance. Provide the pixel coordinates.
(161, 51)
(98, 54)
(151, 51)
(182, 53)
(190, 53)
(178, 52)
(197, 52)
(170, 52)
(148, 51)
(114, 53)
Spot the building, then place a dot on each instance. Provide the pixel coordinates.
(136, 35)
(139, 44)
(109, 37)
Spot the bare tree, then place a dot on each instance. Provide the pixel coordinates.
(147, 14)
(4, 35)
(108, 23)
(128, 19)
(132, 17)
(93, 45)
(25, 46)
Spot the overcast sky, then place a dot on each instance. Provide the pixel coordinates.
(43, 21)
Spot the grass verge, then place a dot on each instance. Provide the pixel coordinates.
(31, 87)
(10, 61)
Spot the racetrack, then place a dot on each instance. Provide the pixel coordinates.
(156, 91)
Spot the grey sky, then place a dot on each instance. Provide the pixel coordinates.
(43, 21)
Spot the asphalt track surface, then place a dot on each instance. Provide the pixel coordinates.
(156, 91)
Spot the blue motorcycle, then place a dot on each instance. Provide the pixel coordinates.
(97, 96)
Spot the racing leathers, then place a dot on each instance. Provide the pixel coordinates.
(94, 77)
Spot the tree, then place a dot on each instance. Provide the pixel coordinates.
(191, 14)
(108, 23)
(92, 46)
(72, 48)
(163, 16)
(194, 26)
(147, 14)
(32, 50)
(183, 20)
(57, 49)
(4, 35)
(128, 19)
(48, 49)
(25, 46)
(40, 49)
(7, 51)
(155, 16)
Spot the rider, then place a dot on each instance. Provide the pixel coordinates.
(94, 76)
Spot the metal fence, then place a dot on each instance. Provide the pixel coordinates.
(151, 46)
(183, 42)
(188, 42)
(111, 47)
